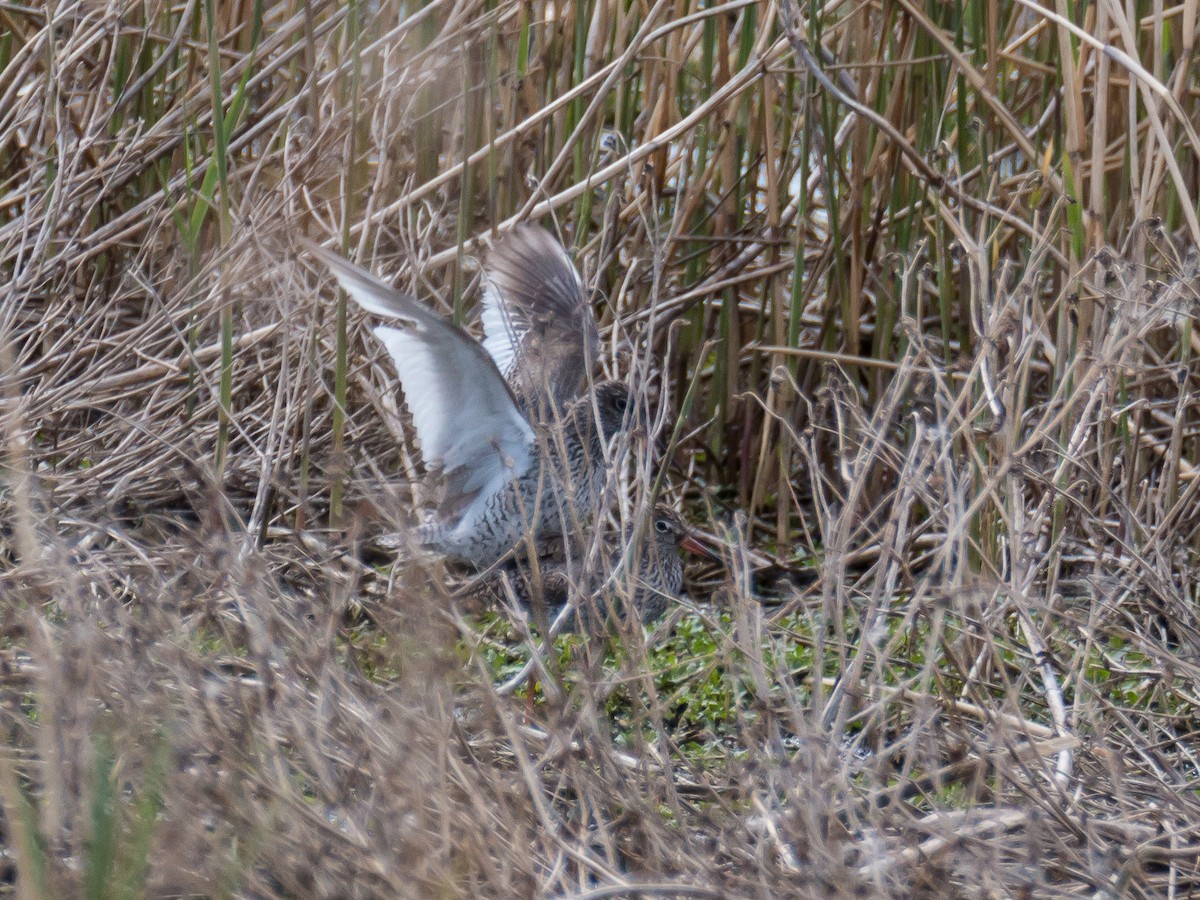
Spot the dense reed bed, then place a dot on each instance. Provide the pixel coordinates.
(911, 289)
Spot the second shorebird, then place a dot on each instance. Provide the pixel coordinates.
(505, 471)
(646, 569)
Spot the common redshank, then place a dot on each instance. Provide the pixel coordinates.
(504, 475)
(647, 576)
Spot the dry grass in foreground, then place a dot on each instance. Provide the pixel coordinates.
(915, 286)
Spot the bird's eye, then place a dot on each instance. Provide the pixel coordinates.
(622, 403)
(661, 526)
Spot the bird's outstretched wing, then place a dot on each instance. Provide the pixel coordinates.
(466, 418)
(538, 325)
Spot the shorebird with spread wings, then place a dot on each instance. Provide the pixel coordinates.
(508, 427)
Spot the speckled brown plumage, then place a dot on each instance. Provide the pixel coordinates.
(649, 577)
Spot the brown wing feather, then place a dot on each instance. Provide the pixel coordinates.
(550, 326)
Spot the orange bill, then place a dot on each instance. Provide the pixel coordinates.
(691, 544)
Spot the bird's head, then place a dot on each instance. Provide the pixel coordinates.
(612, 404)
(670, 533)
